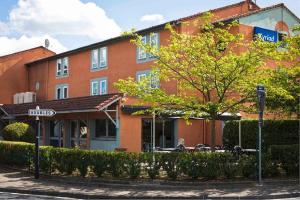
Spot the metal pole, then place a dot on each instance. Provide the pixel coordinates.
(153, 144)
(37, 134)
(299, 139)
(163, 133)
(240, 133)
(259, 148)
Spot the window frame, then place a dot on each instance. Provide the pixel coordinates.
(60, 90)
(147, 56)
(147, 73)
(101, 60)
(61, 67)
(98, 81)
(107, 121)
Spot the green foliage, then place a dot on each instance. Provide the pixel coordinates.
(171, 164)
(116, 163)
(287, 156)
(196, 165)
(274, 132)
(19, 132)
(153, 163)
(99, 162)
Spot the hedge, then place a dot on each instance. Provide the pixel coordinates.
(98, 163)
(274, 132)
(287, 156)
(19, 132)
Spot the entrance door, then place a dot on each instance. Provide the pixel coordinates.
(56, 133)
(164, 133)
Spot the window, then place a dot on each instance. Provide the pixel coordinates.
(154, 80)
(105, 128)
(62, 91)
(62, 67)
(99, 58)
(151, 39)
(99, 86)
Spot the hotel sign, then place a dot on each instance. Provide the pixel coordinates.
(266, 34)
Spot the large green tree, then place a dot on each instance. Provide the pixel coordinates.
(216, 71)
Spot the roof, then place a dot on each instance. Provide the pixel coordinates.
(119, 38)
(235, 17)
(70, 105)
(31, 49)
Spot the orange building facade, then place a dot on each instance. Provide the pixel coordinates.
(79, 85)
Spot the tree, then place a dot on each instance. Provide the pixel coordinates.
(215, 71)
(287, 75)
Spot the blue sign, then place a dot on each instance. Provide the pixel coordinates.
(266, 34)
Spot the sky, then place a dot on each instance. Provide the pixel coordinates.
(69, 24)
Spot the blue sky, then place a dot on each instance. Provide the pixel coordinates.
(74, 23)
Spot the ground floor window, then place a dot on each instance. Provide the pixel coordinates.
(105, 128)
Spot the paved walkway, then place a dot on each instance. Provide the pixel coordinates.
(13, 181)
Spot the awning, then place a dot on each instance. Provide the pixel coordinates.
(130, 109)
(70, 105)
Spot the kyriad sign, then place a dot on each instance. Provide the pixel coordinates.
(266, 34)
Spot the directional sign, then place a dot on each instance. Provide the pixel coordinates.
(41, 112)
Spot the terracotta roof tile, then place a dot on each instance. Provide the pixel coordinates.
(79, 104)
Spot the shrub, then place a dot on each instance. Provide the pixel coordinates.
(16, 153)
(99, 162)
(133, 165)
(152, 164)
(46, 159)
(248, 166)
(274, 132)
(287, 156)
(116, 164)
(19, 132)
(192, 164)
(82, 161)
(171, 164)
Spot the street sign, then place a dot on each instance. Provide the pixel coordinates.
(41, 112)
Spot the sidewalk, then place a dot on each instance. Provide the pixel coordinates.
(20, 182)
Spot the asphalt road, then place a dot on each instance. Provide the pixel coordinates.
(7, 195)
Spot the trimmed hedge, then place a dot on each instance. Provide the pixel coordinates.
(287, 156)
(19, 132)
(135, 165)
(274, 132)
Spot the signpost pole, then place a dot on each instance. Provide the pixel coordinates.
(261, 103)
(37, 157)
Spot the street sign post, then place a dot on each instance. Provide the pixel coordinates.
(261, 104)
(37, 112)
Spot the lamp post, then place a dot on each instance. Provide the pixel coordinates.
(260, 89)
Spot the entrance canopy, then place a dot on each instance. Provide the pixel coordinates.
(61, 106)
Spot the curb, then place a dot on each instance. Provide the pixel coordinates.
(91, 196)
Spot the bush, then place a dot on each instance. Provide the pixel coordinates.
(274, 132)
(287, 156)
(171, 164)
(248, 166)
(133, 165)
(99, 162)
(82, 161)
(19, 132)
(116, 163)
(152, 163)
(192, 165)
(46, 160)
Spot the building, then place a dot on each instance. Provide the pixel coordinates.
(78, 84)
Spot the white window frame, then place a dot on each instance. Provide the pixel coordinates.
(103, 57)
(95, 59)
(65, 66)
(141, 52)
(58, 67)
(98, 83)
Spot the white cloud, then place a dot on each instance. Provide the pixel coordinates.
(61, 17)
(153, 18)
(12, 45)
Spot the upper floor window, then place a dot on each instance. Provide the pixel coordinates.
(99, 58)
(62, 91)
(99, 86)
(151, 39)
(153, 79)
(62, 67)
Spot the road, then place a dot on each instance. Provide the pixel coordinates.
(7, 195)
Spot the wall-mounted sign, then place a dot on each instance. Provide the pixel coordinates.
(266, 34)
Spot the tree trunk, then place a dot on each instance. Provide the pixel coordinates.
(213, 134)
